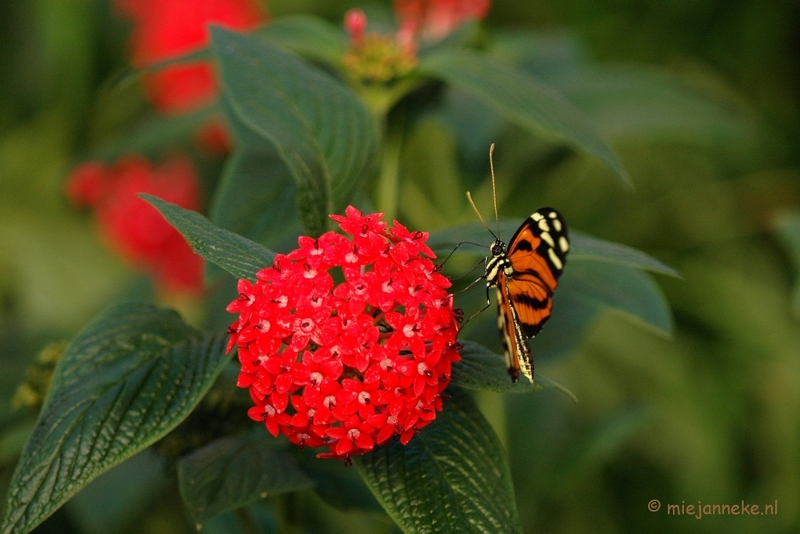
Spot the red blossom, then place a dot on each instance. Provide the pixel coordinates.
(165, 29)
(355, 22)
(135, 229)
(434, 19)
(347, 342)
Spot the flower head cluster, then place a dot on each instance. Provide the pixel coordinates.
(372, 57)
(167, 29)
(347, 342)
(135, 229)
(376, 58)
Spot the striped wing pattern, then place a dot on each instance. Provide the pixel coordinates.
(526, 275)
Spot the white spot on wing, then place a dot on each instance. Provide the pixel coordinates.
(548, 238)
(557, 225)
(537, 216)
(544, 226)
(563, 243)
(555, 259)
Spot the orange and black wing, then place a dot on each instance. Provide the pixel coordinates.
(538, 253)
(515, 347)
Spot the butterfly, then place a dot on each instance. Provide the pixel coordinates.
(525, 276)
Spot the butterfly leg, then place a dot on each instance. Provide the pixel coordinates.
(488, 299)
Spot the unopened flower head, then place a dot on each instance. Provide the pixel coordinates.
(347, 342)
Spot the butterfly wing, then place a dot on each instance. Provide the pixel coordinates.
(515, 349)
(538, 253)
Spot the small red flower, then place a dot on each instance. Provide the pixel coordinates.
(135, 229)
(346, 342)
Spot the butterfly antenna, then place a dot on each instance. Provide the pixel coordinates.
(494, 189)
(469, 197)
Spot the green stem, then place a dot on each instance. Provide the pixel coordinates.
(388, 187)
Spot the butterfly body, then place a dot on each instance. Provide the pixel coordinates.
(525, 276)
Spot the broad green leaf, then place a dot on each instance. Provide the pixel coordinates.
(255, 198)
(522, 100)
(324, 134)
(633, 103)
(235, 471)
(238, 255)
(620, 288)
(481, 368)
(452, 477)
(311, 37)
(132, 375)
(582, 247)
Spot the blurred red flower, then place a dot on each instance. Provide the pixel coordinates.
(133, 228)
(432, 20)
(165, 29)
(347, 364)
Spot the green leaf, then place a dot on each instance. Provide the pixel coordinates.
(452, 477)
(481, 368)
(311, 37)
(582, 247)
(238, 255)
(522, 100)
(620, 288)
(324, 134)
(587, 248)
(634, 103)
(232, 472)
(132, 375)
(255, 198)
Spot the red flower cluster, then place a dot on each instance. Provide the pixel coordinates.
(135, 229)
(435, 19)
(166, 29)
(349, 364)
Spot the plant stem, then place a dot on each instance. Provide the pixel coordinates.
(389, 180)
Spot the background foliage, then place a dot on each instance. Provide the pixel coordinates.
(699, 101)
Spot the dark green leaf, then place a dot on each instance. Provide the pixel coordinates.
(452, 477)
(129, 377)
(582, 247)
(324, 134)
(311, 37)
(481, 368)
(238, 255)
(232, 472)
(620, 288)
(255, 198)
(632, 103)
(522, 100)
